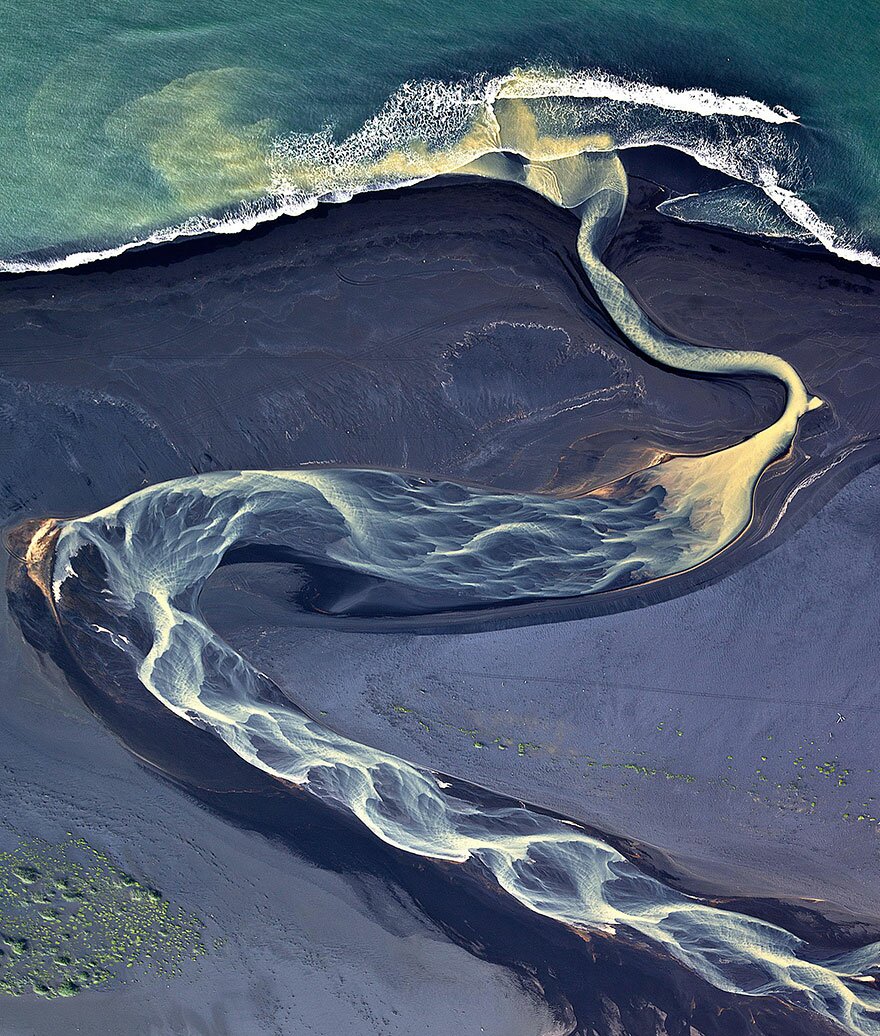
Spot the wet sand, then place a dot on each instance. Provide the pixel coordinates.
(701, 726)
(387, 333)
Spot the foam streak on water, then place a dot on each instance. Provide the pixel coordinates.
(153, 552)
(430, 128)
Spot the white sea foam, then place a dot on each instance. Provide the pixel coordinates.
(535, 83)
(429, 128)
(767, 179)
(244, 218)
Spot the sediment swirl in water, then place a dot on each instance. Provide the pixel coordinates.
(430, 128)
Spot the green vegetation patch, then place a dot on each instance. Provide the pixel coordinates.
(71, 919)
(812, 770)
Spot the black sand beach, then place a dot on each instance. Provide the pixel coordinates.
(306, 342)
(568, 983)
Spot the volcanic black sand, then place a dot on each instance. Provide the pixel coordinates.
(450, 331)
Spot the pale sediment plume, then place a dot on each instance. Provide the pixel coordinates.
(224, 175)
(716, 489)
(190, 137)
(148, 557)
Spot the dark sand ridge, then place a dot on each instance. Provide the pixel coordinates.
(316, 937)
(277, 418)
(282, 376)
(392, 332)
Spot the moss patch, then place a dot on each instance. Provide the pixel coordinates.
(71, 919)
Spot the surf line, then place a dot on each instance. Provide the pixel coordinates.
(139, 566)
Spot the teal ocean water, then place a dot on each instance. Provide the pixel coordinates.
(128, 122)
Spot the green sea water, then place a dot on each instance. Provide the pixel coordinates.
(123, 119)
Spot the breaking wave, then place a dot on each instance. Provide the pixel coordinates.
(428, 128)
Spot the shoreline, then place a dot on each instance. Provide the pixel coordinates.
(479, 917)
(263, 212)
(778, 499)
